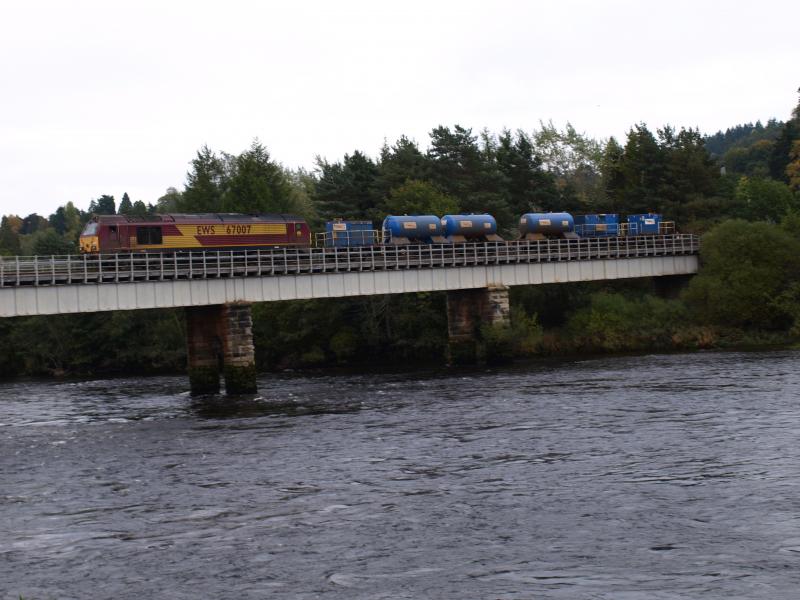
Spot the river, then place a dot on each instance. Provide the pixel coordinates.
(643, 477)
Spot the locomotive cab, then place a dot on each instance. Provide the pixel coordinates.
(90, 238)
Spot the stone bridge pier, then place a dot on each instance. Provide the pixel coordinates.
(467, 311)
(219, 340)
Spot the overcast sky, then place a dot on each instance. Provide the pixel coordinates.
(107, 97)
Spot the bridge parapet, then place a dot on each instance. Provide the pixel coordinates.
(141, 267)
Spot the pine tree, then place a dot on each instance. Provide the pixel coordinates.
(205, 183)
(348, 189)
(125, 205)
(257, 184)
(104, 205)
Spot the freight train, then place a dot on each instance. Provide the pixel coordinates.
(170, 232)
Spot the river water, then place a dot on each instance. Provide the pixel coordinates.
(648, 477)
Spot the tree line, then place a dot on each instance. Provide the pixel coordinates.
(741, 183)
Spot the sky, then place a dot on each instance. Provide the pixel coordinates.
(110, 97)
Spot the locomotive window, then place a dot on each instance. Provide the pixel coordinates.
(148, 235)
(113, 231)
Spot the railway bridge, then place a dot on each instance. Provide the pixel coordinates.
(217, 287)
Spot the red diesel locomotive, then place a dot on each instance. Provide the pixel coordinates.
(157, 233)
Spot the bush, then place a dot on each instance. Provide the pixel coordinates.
(748, 274)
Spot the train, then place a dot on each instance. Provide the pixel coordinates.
(113, 234)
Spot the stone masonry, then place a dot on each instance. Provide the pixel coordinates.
(220, 339)
(467, 311)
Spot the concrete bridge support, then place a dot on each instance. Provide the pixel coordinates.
(220, 339)
(467, 311)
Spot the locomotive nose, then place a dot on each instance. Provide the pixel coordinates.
(88, 243)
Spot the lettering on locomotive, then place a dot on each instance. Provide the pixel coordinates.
(205, 230)
(237, 229)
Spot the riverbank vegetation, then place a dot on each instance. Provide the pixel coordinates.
(740, 189)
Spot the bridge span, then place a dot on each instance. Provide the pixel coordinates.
(217, 286)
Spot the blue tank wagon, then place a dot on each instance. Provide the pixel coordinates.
(404, 229)
(462, 228)
(538, 226)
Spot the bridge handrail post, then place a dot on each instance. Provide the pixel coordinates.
(36, 270)
(52, 269)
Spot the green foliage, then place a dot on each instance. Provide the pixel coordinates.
(49, 242)
(401, 162)
(574, 159)
(502, 342)
(529, 186)
(104, 205)
(748, 268)
(741, 137)
(205, 183)
(419, 198)
(9, 235)
(125, 205)
(33, 223)
(257, 184)
(120, 342)
(614, 322)
(782, 150)
(348, 189)
(170, 202)
(762, 200)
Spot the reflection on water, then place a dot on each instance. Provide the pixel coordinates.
(633, 477)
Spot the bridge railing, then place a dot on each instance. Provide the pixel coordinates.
(203, 264)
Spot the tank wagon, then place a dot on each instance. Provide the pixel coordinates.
(460, 228)
(405, 229)
(538, 226)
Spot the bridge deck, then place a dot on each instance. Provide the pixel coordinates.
(119, 268)
(74, 284)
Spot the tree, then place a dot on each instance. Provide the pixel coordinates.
(612, 175)
(574, 159)
(48, 242)
(762, 199)
(139, 209)
(793, 168)
(348, 189)
(9, 234)
(58, 220)
(33, 223)
(747, 270)
(125, 205)
(643, 169)
(469, 171)
(104, 205)
(170, 202)
(401, 162)
(205, 183)
(257, 184)
(419, 198)
(455, 160)
(529, 186)
(780, 159)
